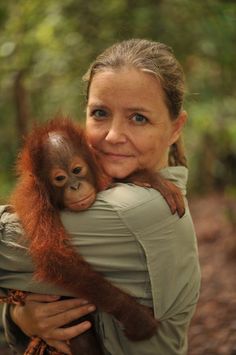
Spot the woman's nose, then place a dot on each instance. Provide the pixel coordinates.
(117, 133)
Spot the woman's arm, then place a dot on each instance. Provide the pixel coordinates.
(128, 221)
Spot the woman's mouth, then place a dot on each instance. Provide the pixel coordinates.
(116, 156)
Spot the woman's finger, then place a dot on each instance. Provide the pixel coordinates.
(38, 297)
(61, 306)
(68, 316)
(70, 332)
(60, 346)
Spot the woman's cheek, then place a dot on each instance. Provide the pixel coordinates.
(95, 136)
(92, 137)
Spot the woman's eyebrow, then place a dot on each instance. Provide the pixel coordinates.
(138, 109)
(100, 105)
(97, 104)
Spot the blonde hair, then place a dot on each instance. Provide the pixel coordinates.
(153, 57)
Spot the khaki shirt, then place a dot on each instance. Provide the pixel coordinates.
(131, 236)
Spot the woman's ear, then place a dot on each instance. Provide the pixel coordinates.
(177, 126)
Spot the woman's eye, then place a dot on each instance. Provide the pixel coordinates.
(140, 119)
(77, 170)
(99, 113)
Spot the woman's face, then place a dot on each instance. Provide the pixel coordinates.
(128, 123)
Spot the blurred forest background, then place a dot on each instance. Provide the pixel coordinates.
(46, 47)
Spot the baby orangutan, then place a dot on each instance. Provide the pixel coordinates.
(58, 170)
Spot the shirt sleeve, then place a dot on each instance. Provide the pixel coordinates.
(15, 338)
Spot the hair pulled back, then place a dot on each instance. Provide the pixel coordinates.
(155, 58)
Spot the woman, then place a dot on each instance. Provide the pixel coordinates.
(134, 120)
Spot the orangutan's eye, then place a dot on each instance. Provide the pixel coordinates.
(77, 170)
(60, 178)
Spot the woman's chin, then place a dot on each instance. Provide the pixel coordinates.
(118, 173)
(117, 170)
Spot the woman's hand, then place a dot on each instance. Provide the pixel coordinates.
(44, 315)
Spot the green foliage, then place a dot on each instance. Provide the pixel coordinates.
(52, 43)
(211, 141)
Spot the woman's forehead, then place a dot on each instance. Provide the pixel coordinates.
(128, 87)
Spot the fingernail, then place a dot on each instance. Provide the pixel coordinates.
(91, 308)
(54, 296)
(83, 302)
(86, 325)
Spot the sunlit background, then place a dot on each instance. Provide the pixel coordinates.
(47, 45)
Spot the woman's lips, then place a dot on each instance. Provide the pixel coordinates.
(116, 156)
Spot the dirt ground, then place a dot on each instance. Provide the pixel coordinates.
(213, 329)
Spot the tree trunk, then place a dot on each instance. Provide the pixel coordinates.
(21, 104)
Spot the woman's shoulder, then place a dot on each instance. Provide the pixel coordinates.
(125, 196)
(128, 205)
